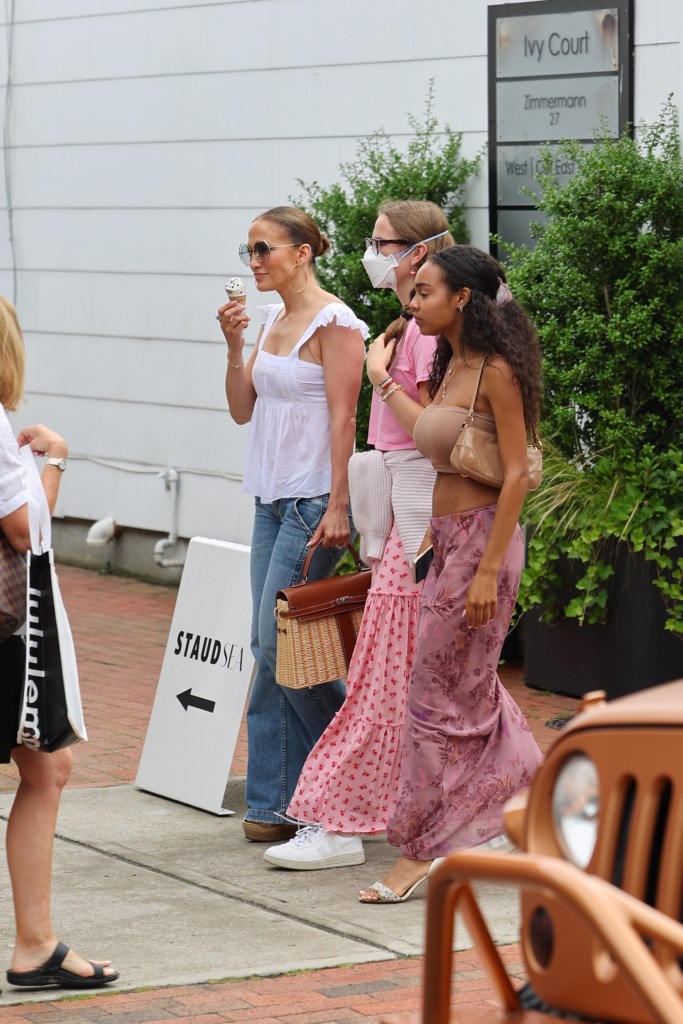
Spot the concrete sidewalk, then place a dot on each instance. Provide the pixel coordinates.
(179, 900)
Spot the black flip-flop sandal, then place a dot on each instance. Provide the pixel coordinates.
(52, 974)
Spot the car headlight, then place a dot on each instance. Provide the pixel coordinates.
(576, 808)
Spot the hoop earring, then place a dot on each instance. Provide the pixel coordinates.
(295, 291)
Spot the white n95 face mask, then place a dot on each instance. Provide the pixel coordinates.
(382, 269)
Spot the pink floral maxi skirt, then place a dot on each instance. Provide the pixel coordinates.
(467, 746)
(350, 779)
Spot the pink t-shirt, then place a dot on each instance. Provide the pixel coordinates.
(410, 367)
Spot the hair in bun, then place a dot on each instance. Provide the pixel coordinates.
(299, 228)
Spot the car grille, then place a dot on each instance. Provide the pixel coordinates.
(640, 843)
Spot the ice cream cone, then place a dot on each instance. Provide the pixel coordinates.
(236, 290)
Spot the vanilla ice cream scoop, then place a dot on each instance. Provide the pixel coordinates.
(236, 290)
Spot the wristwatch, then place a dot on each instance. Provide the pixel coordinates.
(59, 463)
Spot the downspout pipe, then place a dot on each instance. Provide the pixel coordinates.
(171, 482)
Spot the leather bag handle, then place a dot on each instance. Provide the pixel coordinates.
(470, 414)
(535, 442)
(309, 558)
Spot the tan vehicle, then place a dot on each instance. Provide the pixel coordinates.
(600, 874)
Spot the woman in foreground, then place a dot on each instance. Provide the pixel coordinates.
(39, 960)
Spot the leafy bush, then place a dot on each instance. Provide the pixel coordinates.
(430, 167)
(604, 286)
(580, 516)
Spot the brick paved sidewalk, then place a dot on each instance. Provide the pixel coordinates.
(340, 995)
(120, 629)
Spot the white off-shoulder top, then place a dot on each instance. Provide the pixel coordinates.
(288, 450)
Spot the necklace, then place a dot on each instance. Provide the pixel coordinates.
(449, 373)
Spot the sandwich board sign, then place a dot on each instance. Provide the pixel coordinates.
(204, 680)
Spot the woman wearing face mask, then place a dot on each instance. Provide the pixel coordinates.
(467, 746)
(298, 391)
(348, 784)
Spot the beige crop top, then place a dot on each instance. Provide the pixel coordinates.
(437, 429)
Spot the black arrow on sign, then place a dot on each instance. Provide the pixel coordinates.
(188, 700)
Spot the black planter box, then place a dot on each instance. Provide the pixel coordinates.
(631, 651)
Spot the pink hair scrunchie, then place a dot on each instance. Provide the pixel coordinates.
(503, 294)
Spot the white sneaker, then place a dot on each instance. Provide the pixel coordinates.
(312, 849)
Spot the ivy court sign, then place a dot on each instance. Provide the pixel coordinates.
(558, 69)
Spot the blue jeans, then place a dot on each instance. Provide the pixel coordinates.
(283, 725)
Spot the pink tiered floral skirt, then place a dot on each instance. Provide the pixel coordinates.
(350, 779)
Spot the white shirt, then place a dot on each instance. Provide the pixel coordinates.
(13, 488)
(288, 451)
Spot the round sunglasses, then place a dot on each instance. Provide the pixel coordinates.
(261, 250)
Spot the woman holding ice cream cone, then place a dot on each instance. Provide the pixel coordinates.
(298, 391)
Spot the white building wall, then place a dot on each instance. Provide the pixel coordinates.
(143, 137)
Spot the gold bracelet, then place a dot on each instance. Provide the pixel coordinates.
(391, 391)
(235, 366)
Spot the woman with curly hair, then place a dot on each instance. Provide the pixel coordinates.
(467, 747)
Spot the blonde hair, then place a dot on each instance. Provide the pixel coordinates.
(414, 220)
(12, 357)
(299, 228)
